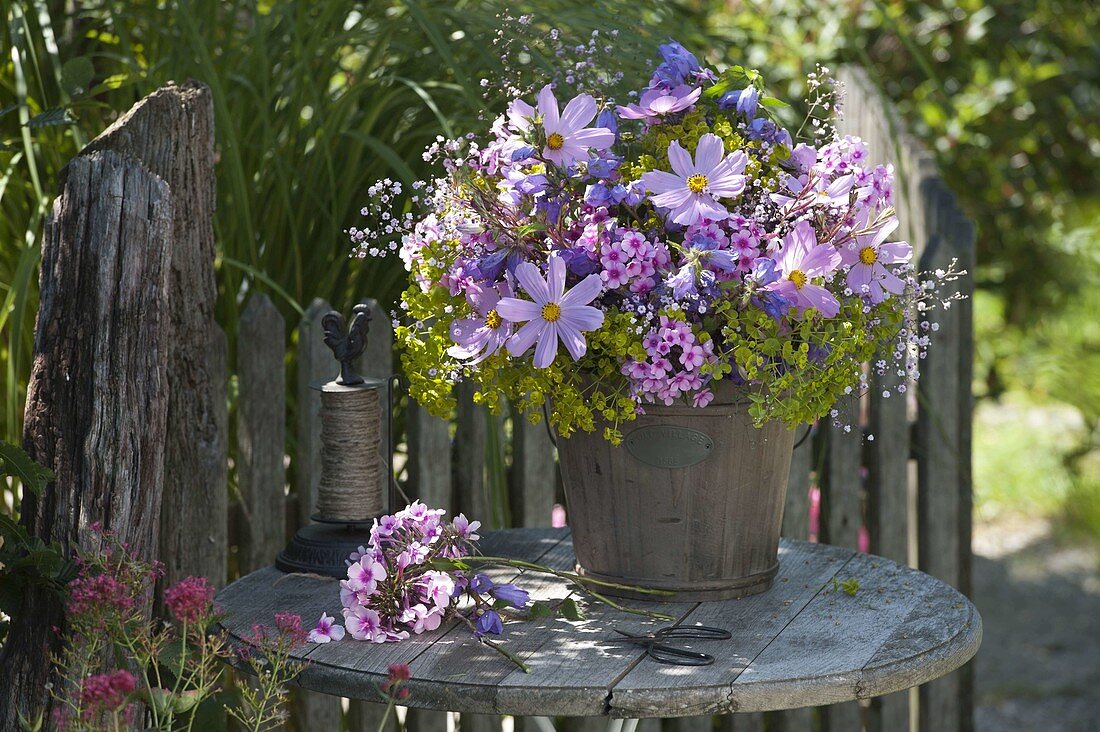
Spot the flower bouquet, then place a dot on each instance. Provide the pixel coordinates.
(419, 570)
(680, 266)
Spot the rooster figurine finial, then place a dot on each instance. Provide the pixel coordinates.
(347, 343)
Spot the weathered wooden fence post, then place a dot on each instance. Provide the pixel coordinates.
(171, 132)
(97, 399)
(261, 432)
(534, 475)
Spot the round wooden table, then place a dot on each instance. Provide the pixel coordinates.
(804, 642)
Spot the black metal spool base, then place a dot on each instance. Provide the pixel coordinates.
(322, 548)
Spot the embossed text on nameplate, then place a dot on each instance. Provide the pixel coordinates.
(669, 446)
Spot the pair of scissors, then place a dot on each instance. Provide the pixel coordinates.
(661, 652)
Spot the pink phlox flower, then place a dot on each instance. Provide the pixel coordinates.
(554, 313)
(568, 138)
(438, 586)
(747, 247)
(364, 575)
(383, 528)
(326, 630)
(800, 260)
(422, 618)
(656, 104)
(634, 244)
(467, 529)
(364, 624)
(635, 369)
(685, 381)
(352, 593)
(479, 337)
(415, 553)
(615, 274)
(612, 253)
(692, 357)
(702, 398)
(691, 193)
(676, 332)
(651, 341)
(868, 253)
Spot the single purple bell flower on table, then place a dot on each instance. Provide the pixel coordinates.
(489, 623)
(511, 594)
(480, 583)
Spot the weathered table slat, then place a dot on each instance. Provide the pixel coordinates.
(653, 689)
(804, 642)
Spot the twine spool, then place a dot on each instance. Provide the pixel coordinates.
(351, 482)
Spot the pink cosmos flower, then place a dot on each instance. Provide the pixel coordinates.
(554, 313)
(567, 136)
(692, 192)
(478, 338)
(820, 191)
(800, 259)
(656, 104)
(326, 630)
(867, 253)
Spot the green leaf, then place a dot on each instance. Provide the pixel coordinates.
(50, 118)
(76, 75)
(441, 564)
(15, 462)
(540, 610)
(773, 102)
(570, 610)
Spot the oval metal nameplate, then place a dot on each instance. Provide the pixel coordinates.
(669, 446)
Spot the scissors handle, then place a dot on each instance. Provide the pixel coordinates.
(700, 632)
(678, 656)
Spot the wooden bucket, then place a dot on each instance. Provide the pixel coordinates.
(691, 501)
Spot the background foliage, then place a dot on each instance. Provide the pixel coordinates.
(316, 100)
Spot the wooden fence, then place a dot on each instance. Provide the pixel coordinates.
(907, 491)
